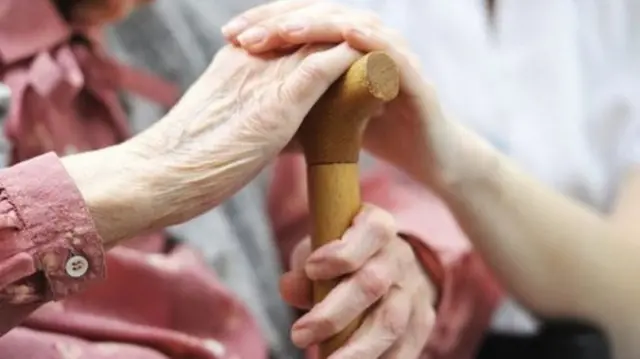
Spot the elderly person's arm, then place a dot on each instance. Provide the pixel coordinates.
(466, 290)
(58, 215)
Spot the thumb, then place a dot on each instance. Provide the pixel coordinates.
(313, 76)
(296, 289)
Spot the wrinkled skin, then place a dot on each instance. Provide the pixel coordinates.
(235, 119)
(383, 281)
(383, 275)
(415, 116)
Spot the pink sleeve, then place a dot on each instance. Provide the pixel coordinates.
(49, 247)
(468, 292)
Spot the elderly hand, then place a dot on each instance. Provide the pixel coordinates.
(235, 119)
(414, 117)
(382, 280)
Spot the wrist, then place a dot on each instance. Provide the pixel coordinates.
(118, 195)
(464, 161)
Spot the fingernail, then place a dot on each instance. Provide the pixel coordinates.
(252, 36)
(293, 27)
(302, 337)
(234, 27)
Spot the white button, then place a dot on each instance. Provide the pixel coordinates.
(77, 266)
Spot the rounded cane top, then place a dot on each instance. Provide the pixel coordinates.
(382, 76)
(332, 131)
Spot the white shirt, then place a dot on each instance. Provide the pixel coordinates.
(555, 84)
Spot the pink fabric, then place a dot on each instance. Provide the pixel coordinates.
(154, 304)
(64, 88)
(469, 294)
(43, 223)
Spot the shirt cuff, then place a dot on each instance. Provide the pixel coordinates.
(49, 246)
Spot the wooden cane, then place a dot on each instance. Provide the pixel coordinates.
(331, 137)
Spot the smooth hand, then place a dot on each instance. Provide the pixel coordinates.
(382, 279)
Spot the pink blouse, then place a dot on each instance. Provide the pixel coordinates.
(55, 298)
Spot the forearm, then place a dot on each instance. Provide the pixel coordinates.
(118, 199)
(549, 250)
(128, 194)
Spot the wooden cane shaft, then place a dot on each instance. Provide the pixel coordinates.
(331, 137)
(335, 193)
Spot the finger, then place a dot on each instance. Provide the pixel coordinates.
(345, 302)
(315, 24)
(368, 39)
(296, 289)
(411, 344)
(311, 79)
(264, 35)
(405, 347)
(372, 229)
(383, 328)
(259, 13)
(300, 254)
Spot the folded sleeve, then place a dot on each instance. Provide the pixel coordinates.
(49, 247)
(468, 292)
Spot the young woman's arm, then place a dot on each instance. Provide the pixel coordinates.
(557, 256)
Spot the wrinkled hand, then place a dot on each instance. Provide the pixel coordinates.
(228, 126)
(414, 117)
(382, 279)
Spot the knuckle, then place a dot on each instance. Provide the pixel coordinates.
(379, 229)
(344, 262)
(380, 224)
(327, 325)
(393, 320)
(425, 323)
(373, 282)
